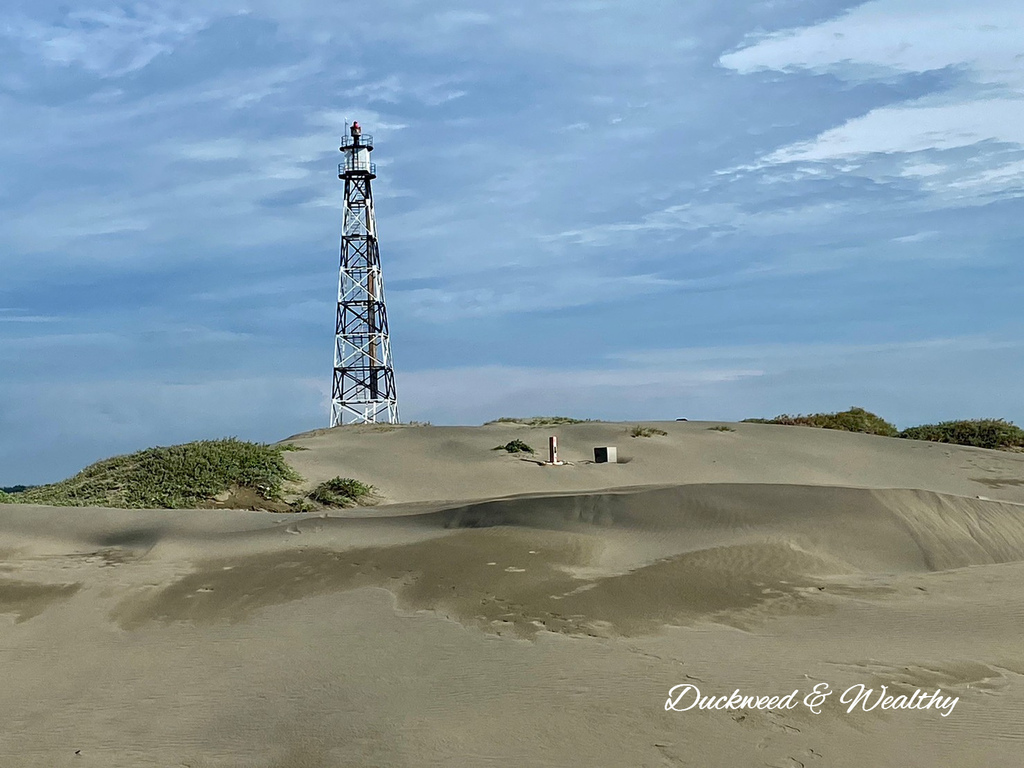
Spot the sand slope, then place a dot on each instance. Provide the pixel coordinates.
(540, 619)
(456, 463)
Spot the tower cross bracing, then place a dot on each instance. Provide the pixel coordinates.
(363, 388)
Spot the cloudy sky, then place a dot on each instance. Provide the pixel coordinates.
(714, 209)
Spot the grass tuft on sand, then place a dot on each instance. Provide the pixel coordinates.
(341, 492)
(172, 477)
(639, 431)
(854, 420)
(980, 433)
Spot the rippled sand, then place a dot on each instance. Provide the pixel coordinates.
(496, 612)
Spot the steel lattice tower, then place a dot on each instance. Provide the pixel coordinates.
(363, 391)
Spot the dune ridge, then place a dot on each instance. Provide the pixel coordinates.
(893, 530)
(415, 464)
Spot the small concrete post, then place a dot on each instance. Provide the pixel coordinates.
(553, 450)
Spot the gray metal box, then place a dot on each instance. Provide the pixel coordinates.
(606, 455)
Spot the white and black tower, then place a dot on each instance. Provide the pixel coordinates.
(363, 391)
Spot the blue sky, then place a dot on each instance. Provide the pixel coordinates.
(714, 210)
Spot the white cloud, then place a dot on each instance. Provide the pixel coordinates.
(887, 37)
(465, 395)
(917, 237)
(219, 205)
(709, 221)
(914, 127)
(734, 382)
(107, 42)
(28, 319)
(984, 111)
(395, 89)
(799, 355)
(731, 383)
(532, 291)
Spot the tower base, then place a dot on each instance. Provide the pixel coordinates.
(364, 412)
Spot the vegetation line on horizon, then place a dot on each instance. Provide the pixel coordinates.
(538, 421)
(997, 434)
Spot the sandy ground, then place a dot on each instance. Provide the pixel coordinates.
(497, 612)
(456, 463)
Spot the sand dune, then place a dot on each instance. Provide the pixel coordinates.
(497, 612)
(456, 463)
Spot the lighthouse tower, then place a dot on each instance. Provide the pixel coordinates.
(363, 391)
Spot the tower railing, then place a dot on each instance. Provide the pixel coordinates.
(362, 141)
(356, 166)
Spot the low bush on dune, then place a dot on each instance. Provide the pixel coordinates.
(980, 433)
(639, 431)
(514, 446)
(341, 492)
(853, 420)
(174, 477)
(5, 497)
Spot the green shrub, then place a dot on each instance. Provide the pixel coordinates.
(853, 420)
(6, 498)
(341, 492)
(639, 431)
(721, 428)
(514, 446)
(980, 433)
(174, 477)
(538, 421)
